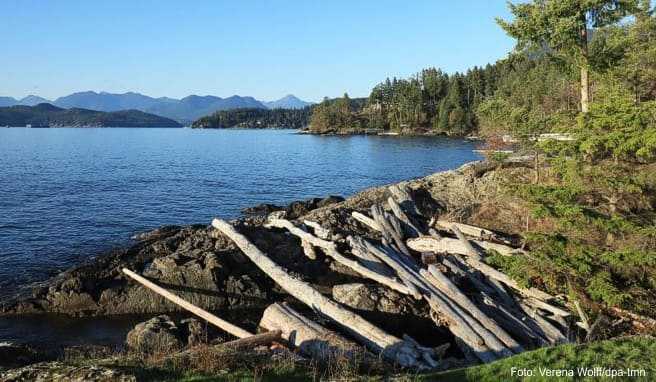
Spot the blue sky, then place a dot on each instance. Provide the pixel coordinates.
(265, 49)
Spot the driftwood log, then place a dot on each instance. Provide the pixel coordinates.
(330, 249)
(312, 339)
(209, 317)
(393, 348)
(456, 247)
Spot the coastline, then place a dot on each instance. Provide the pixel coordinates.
(206, 268)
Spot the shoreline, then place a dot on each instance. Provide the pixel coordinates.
(205, 268)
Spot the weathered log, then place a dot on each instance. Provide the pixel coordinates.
(403, 197)
(553, 334)
(548, 307)
(461, 316)
(209, 317)
(584, 319)
(473, 231)
(319, 231)
(252, 341)
(474, 335)
(308, 250)
(359, 250)
(471, 251)
(390, 233)
(330, 249)
(391, 347)
(452, 291)
(394, 261)
(410, 227)
(479, 266)
(367, 221)
(312, 339)
(508, 305)
(456, 247)
(495, 274)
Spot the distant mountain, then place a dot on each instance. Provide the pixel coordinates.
(107, 101)
(193, 107)
(289, 101)
(47, 115)
(32, 100)
(8, 101)
(185, 110)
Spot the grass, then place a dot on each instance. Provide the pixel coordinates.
(622, 353)
(619, 354)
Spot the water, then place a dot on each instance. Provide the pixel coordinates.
(68, 194)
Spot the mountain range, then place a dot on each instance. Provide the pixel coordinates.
(185, 110)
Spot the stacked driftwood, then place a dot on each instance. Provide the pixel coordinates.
(442, 263)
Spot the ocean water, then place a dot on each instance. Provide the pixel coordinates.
(68, 194)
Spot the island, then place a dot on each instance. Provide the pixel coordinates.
(47, 115)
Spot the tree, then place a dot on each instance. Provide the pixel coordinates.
(561, 27)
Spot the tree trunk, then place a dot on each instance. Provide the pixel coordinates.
(312, 339)
(585, 84)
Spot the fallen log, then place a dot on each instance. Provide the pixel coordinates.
(318, 229)
(251, 342)
(553, 334)
(330, 249)
(390, 232)
(471, 251)
(445, 285)
(359, 250)
(548, 307)
(476, 337)
(401, 194)
(393, 348)
(312, 339)
(367, 221)
(473, 231)
(456, 247)
(209, 317)
(410, 227)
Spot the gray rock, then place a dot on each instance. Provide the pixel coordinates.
(157, 335)
(375, 298)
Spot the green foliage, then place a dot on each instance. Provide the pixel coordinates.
(618, 128)
(334, 115)
(256, 118)
(619, 354)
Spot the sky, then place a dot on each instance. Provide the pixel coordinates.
(264, 49)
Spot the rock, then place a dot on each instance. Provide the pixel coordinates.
(157, 335)
(331, 199)
(60, 372)
(375, 298)
(261, 209)
(193, 330)
(300, 208)
(15, 355)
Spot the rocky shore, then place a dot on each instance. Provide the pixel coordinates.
(204, 267)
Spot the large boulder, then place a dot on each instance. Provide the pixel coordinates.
(157, 335)
(375, 298)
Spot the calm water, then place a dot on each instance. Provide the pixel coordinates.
(68, 194)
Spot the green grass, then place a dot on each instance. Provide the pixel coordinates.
(623, 353)
(620, 354)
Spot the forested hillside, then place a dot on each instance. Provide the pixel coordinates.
(256, 118)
